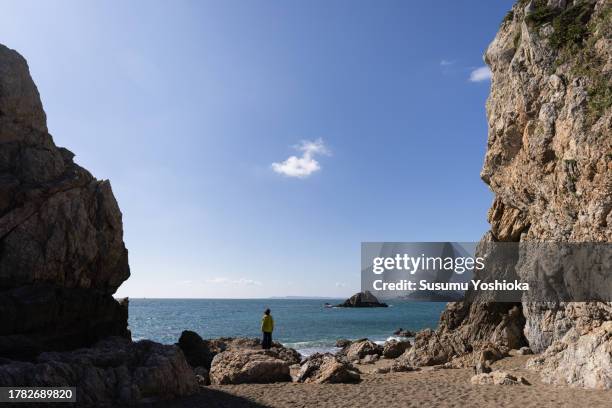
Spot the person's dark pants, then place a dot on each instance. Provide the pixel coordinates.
(267, 340)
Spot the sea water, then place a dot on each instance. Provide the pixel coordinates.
(304, 324)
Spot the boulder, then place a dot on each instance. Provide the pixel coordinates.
(62, 255)
(497, 378)
(362, 299)
(248, 366)
(361, 348)
(394, 348)
(430, 349)
(287, 354)
(195, 349)
(327, 368)
(113, 372)
(200, 352)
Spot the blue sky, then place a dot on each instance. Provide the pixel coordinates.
(186, 105)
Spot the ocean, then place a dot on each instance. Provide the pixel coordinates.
(303, 324)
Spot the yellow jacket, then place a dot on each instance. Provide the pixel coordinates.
(267, 323)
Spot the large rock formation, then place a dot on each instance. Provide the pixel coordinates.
(61, 240)
(114, 372)
(62, 258)
(548, 162)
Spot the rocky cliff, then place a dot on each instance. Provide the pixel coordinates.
(61, 240)
(62, 258)
(549, 163)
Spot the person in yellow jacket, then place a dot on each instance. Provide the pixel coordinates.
(267, 325)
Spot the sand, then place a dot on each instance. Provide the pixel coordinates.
(426, 388)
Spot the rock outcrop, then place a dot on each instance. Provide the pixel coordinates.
(62, 258)
(248, 366)
(362, 299)
(327, 369)
(61, 237)
(581, 360)
(114, 372)
(548, 162)
(200, 352)
(498, 378)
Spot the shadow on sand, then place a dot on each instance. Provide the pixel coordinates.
(208, 398)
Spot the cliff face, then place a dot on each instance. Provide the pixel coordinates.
(549, 163)
(61, 259)
(61, 240)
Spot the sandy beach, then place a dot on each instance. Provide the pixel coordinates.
(429, 387)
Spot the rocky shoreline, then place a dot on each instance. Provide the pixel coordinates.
(62, 256)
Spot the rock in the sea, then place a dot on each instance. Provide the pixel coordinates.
(498, 378)
(114, 372)
(361, 348)
(62, 255)
(362, 299)
(394, 348)
(248, 366)
(327, 368)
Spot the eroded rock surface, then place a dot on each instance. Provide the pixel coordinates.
(61, 237)
(548, 162)
(248, 366)
(327, 369)
(498, 378)
(394, 348)
(200, 352)
(62, 258)
(360, 349)
(114, 372)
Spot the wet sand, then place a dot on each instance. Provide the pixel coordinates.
(426, 388)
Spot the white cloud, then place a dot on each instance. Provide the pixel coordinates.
(305, 165)
(340, 284)
(480, 74)
(236, 282)
(446, 63)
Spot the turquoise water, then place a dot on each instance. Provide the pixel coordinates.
(302, 324)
